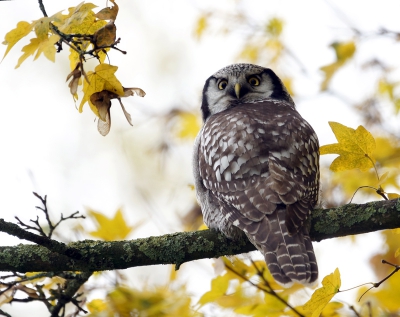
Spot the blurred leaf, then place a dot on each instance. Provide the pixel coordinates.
(355, 148)
(188, 125)
(219, 286)
(331, 310)
(111, 229)
(274, 27)
(344, 51)
(250, 53)
(96, 306)
(201, 26)
(322, 296)
(156, 302)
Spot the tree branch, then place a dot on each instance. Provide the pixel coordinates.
(182, 247)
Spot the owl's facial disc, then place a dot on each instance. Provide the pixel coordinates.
(224, 92)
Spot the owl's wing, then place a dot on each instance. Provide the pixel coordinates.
(256, 161)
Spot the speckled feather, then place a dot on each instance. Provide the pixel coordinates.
(256, 166)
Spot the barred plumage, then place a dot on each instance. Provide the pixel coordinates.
(256, 168)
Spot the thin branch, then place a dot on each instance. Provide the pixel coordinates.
(270, 291)
(376, 285)
(50, 244)
(41, 7)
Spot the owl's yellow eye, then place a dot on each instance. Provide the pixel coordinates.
(222, 84)
(254, 81)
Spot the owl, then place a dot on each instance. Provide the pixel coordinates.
(256, 168)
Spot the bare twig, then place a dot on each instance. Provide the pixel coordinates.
(376, 285)
(41, 7)
(269, 290)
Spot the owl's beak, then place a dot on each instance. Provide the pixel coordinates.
(237, 90)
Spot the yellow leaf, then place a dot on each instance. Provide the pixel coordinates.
(201, 26)
(250, 53)
(96, 306)
(275, 27)
(393, 196)
(331, 310)
(110, 229)
(329, 71)
(355, 148)
(77, 18)
(23, 28)
(28, 50)
(397, 253)
(271, 307)
(188, 125)
(47, 47)
(42, 28)
(219, 286)
(322, 296)
(102, 78)
(344, 51)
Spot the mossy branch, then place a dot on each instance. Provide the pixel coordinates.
(183, 247)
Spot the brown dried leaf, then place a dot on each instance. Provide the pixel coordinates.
(104, 126)
(108, 13)
(106, 35)
(127, 115)
(131, 92)
(76, 75)
(29, 291)
(102, 101)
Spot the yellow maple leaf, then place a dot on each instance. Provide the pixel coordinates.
(102, 78)
(46, 46)
(355, 148)
(322, 296)
(28, 50)
(111, 229)
(77, 18)
(219, 286)
(23, 29)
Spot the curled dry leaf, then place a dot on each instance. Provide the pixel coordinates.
(106, 35)
(108, 13)
(102, 101)
(131, 92)
(29, 291)
(76, 75)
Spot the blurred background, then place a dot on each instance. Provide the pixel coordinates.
(340, 61)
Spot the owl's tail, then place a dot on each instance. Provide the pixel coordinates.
(289, 258)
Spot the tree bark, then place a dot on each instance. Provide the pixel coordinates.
(181, 247)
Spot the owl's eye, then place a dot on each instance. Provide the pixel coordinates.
(254, 81)
(222, 84)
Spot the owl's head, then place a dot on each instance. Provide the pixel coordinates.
(240, 83)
